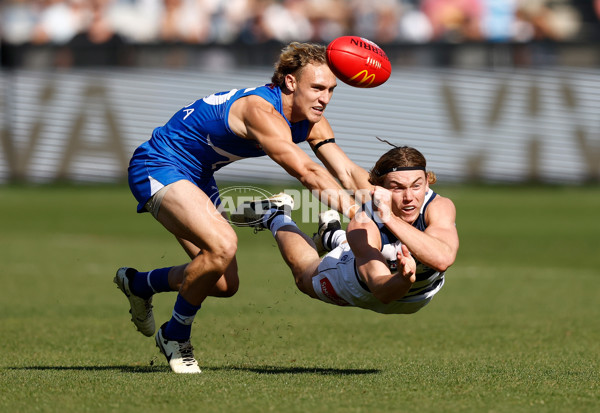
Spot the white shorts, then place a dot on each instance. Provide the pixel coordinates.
(337, 283)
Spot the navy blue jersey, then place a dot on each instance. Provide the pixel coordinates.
(427, 279)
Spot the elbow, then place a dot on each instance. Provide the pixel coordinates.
(443, 263)
(393, 288)
(387, 295)
(440, 267)
(442, 259)
(382, 297)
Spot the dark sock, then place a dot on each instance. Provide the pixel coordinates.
(145, 284)
(179, 326)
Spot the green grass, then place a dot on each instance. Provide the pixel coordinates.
(515, 329)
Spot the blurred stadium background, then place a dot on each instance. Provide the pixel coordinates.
(489, 90)
(492, 91)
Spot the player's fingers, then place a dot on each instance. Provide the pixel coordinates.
(403, 252)
(380, 196)
(374, 190)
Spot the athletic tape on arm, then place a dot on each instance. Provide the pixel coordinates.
(318, 145)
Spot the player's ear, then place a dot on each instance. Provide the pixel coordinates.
(290, 82)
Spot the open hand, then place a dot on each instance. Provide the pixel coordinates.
(406, 264)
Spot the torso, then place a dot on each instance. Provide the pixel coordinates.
(199, 138)
(390, 245)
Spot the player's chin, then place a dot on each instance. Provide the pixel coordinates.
(408, 215)
(315, 115)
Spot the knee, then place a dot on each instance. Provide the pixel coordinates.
(231, 288)
(302, 283)
(229, 283)
(214, 258)
(221, 249)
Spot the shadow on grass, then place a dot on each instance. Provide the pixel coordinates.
(124, 369)
(298, 370)
(252, 369)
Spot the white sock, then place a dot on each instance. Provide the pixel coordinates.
(281, 221)
(334, 239)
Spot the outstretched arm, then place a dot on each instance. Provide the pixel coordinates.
(350, 175)
(256, 119)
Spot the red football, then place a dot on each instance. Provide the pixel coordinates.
(358, 62)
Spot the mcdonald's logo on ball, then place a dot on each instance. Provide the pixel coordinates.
(358, 62)
(363, 79)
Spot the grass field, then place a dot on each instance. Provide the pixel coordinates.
(515, 329)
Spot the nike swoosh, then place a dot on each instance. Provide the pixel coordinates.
(124, 289)
(168, 356)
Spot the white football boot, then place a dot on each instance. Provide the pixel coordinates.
(251, 213)
(140, 308)
(179, 354)
(329, 220)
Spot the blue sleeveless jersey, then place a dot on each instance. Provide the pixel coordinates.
(197, 141)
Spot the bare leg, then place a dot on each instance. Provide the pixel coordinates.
(226, 286)
(299, 253)
(189, 214)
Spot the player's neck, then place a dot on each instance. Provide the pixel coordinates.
(287, 104)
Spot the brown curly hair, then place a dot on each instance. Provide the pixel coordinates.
(399, 157)
(294, 57)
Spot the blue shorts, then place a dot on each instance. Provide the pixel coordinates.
(146, 176)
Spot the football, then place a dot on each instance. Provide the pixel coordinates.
(358, 62)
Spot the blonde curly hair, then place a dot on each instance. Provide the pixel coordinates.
(294, 57)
